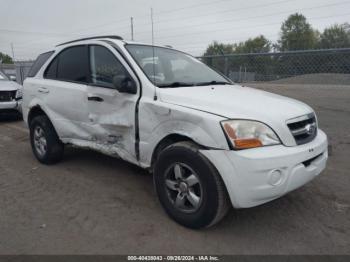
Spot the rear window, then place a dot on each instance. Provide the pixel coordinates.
(73, 64)
(39, 62)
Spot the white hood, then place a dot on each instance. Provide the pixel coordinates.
(9, 86)
(237, 102)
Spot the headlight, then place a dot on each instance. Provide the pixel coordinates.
(19, 94)
(244, 134)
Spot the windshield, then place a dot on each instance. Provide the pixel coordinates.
(3, 77)
(170, 68)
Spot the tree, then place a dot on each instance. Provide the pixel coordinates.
(237, 63)
(6, 59)
(258, 44)
(217, 62)
(336, 36)
(217, 48)
(297, 34)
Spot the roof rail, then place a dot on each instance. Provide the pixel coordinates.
(91, 38)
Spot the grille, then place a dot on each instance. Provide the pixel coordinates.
(7, 96)
(304, 131)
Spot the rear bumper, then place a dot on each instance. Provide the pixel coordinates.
(256, 176)
(11, 106)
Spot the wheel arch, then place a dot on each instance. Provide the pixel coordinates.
(168, 141)
(34, 112)
(38, 110)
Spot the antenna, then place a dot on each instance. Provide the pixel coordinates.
(154, 59)
(132, 28)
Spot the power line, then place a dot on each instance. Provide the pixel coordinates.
(193, 45)
(228, 11)
(240, 27)
(146, 17)
(191, 6)
(186, 18)
(262, 16)
(31, 32)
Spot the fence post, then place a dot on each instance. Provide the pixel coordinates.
(240, 75)
(226, 66)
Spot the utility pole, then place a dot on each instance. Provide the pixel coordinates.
(132, 28)
(13, 53)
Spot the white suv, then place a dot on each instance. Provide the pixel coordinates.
(207, 141)
(10, 96)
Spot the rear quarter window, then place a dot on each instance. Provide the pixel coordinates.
(39, 62)
(51, 71)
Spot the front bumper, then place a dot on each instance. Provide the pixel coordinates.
(11, 106)
(256, 176)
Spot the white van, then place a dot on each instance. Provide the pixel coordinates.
(208, 142)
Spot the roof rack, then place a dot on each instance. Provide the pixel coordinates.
(90, 38)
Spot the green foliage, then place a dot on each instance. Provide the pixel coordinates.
(6, 59)
(336, 36)
(258, 44)
(297, 34)
(219, 49)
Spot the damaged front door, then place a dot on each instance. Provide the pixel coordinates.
(111, 114)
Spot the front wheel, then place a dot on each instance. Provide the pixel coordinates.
(46, 145)
(189, 187)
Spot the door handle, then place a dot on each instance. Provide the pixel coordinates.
(95, 99)
(43, 90)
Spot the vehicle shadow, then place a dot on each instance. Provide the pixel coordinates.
(10, 117)
(281, 213)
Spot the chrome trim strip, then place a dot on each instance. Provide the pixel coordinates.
(300, 118)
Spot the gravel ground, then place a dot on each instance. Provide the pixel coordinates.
(94, 204)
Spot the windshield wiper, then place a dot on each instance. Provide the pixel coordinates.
(176, 84)
(214, 83)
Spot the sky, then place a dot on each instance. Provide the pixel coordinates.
(36, 26)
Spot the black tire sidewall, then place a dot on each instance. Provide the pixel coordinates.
(205, 171)
(54, 145)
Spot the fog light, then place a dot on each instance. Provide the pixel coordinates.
(276, 177)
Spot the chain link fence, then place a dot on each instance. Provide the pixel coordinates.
(19, 70)
(319, 67)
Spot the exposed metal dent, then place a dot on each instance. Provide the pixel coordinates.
(110, 149)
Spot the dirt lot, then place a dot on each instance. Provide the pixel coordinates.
(93, 204)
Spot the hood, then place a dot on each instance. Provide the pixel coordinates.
(9, 86)
(236, 102)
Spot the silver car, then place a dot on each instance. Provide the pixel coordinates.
(10, 95)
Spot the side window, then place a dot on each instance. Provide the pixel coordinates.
(39, 62)
(104, 66)
(51, 71)
(73, 64)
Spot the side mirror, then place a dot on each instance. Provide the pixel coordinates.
(124, 84)
(13, 78)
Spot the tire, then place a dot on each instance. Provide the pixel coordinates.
(203, 201)
(47, 147)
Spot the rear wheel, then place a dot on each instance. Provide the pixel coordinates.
(46, 146)
(189, 187)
